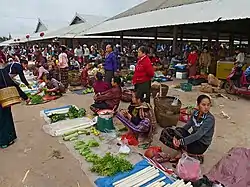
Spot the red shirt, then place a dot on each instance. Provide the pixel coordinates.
(100, 86)
(143, 71)
(155, 60)
(192, 58)
(85, 77)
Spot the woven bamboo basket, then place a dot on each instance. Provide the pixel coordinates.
(74, 78)
(9, 96)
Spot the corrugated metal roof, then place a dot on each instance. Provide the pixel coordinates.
(68, 31)
(208, 11)
(45, 25)
(152, 5)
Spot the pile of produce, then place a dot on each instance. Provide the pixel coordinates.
(71, 114)
(88, 90)
(35, 99)
(128, 77)
(110, 165)
(76, 113)
(73, 135)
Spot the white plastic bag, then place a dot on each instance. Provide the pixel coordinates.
(124, 149)
(188, 168)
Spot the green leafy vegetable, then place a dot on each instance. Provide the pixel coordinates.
(57, 117)
(93, 143)
(75, 113)
(36, 99)
(110, 165)
(71, 114)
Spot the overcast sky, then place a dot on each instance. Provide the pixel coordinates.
(20, 16)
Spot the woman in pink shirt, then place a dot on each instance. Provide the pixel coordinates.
(42, 72)
(64, 67)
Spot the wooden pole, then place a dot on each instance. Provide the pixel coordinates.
(231, 43)
(156, 36)
(175, 35)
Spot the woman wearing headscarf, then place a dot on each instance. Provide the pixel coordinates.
(64, 67)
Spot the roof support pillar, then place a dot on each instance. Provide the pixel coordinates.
(217, 36)
(156, 36)
(209, 43)
(175, 37)
(121, 40)
(248, 44)
(201, 41)
(181, 39)
(231, 43)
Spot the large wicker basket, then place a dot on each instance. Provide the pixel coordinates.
(74, 78)
(161, 89)
(9, 96)
(166, 114)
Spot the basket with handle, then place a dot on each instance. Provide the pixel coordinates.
(162, 90)
(9, 95)
(166, 114)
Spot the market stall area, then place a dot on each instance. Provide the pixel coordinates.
(88, 144)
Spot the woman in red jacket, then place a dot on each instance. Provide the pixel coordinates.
(192, 63)
(144, 72)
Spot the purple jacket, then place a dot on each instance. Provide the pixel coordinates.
(111, 62)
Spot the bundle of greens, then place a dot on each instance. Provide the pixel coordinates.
(110, 165)
(76, 113)
(84, 149)
(71, 114)
(57, 117)
(88, 90)
(36, 99)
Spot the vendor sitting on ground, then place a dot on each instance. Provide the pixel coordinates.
(109, 99)
(99, 85)
(139, 118)
(197, 134)
(54, 86)
(74, 64)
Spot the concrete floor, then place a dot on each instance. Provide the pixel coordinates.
(33, 149)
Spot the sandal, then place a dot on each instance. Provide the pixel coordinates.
(174, 160)
(5, 146)
(161, 157)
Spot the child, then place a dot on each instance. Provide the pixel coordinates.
(54, 86)
(100, 85)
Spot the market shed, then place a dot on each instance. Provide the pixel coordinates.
(49, 25)
(211, 19)
(83, 18)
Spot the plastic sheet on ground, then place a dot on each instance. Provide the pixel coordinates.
(109, 144)
(59, 110)
(233, 169)
(61, 127)
(108, 181)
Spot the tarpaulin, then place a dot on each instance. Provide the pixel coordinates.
(233, 170)
(108, 181)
